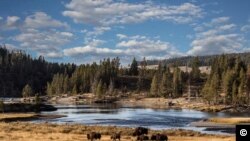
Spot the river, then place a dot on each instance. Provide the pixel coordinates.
(132, 117)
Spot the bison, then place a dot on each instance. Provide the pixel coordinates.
(159, 137)
(142, 138)
(140, 131)
(93, 136)
(116, 136)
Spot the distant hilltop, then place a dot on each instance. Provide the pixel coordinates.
(203, 69)
(204, 60)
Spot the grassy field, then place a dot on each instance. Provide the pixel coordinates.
(232, 120)
(24, 131)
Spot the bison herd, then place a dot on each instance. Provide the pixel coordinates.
(140, 133)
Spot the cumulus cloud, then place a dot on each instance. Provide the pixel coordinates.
(245, 28)
(42, 20)
(121, 36)
(97, 31)
(46, 43)
(35, 21)
(220, 20)
(220, 38)
(108, 12)
(39, 32)
(10, 46)
(9, 23)
(128, 47)
(12, 20)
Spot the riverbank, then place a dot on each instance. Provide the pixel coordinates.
(178, 103)
(138, 100)
(23, 131)
(23, 107)
(226, 125)
(11, 117)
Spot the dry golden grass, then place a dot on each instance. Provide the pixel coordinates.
(23, 131)
(6, 116)
(230, 120)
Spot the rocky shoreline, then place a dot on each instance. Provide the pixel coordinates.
(154, 103)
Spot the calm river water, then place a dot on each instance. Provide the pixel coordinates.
(132, 117)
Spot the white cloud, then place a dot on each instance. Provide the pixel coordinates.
(42, 20)
(34, 21)
(39, 32)
(90, 35)
(220, 20)
(121, 36)
(45, 42)
(10, 46)
(246, 28)
(12, 22)
(130, 46)
(107, 12)
(92, 49)
(221, 37)
(97, 31)
(217, 44)
(54, 55)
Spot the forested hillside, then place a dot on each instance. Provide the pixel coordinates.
(228, 82)
(18, 69)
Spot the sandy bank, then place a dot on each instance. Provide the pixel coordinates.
(10, 117)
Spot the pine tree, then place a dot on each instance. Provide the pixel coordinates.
(66, 84)
(164, 86)
(94, 86)
(154, 87)
(111, 87)
(27, 91)
(133, 70)
(214, 88)
(177, 82)
(195, 73)
(74, 90)
(248, 85)
(99, 89)
(142, 73)
(49, 89)
(227, 86)
(241, 88)
(235, 94)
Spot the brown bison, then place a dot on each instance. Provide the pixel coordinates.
(116, 136)
(159, 137)
(142, 138)
(140, 131)
(94, 136)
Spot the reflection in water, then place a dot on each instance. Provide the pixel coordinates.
(131, 117)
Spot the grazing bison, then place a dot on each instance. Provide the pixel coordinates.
(142, 138)
(153, 138)
(140, 131)
(116, 136)
(94, 136)
(159, 137)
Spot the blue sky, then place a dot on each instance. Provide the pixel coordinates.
(83, 31)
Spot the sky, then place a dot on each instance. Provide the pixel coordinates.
(84, 31)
